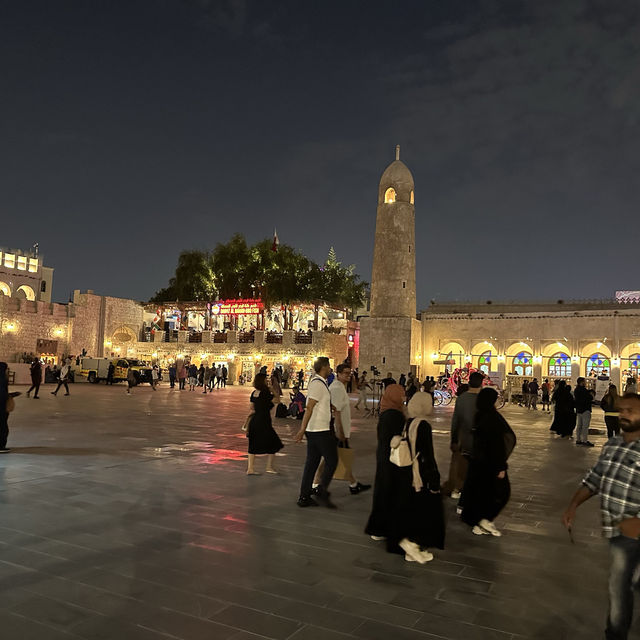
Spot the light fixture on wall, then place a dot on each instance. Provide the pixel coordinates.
(434, 356)
(501, 357)
(615, 362)
(575, 358)
(537, 359)
(10, 327)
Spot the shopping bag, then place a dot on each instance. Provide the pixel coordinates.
(345, 462)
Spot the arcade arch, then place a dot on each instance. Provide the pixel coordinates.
(5, 289)
(25, 292)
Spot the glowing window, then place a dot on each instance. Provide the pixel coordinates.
(484, 362)
(22, 263)
(522, 364)
(33, 265)
(9, 260)
(560, 365)
(598, 364)
(4, 289)
(390, 195)
(411, 198)
(634, 365)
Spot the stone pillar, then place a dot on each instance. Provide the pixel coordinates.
(616, 377)
(259, 338)
(183, 336)
(537, 370)
(158, 336)
(206, 337)
(575, 372)
(233, 372)
(232, 337)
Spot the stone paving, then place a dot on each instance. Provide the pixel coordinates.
(132, 518)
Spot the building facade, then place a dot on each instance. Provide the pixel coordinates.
(24, 276)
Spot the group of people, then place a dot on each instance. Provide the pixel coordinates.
(205, 376)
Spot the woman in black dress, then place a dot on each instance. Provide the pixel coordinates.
(262, 437)
(407, 508)
(564, 418)
(486, 488)
(391, 423)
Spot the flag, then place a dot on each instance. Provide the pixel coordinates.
(276, 241)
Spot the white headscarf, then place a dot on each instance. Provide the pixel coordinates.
(421, 405)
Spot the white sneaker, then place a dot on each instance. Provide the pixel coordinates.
(428, 557)
(479, 531)
(489, 527)
(413, 551)
(455, 495)
(378, 538)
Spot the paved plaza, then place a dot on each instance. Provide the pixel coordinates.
(131, 518)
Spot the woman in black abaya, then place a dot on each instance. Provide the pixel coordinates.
(564, 417)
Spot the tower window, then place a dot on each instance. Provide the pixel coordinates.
(404, 284)
(390, 195)
(411, 197)
(409, 248)
(384, 360)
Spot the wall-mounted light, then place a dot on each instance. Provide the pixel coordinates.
(537, 359)
(615, 362)
(501, 357)
(434, 356)
(575, 358)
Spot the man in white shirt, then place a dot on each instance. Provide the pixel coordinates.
(321, 443)
(342, 415)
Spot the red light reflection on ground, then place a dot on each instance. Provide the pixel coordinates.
(221, 456)
(234, 519)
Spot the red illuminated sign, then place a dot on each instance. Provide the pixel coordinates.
(248, 307)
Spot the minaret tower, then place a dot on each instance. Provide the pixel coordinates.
(391, 338)
(393, 281)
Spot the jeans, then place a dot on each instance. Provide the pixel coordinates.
(320, 444)
(60, 383)
(623, 577)
(582, 423)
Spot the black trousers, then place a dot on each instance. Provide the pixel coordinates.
(60, 383)
(613, 426)
(34, 385)
(320, 444)
(4, 429)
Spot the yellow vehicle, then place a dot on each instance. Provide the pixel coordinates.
(96, 369)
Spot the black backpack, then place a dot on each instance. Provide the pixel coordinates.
(281, 411)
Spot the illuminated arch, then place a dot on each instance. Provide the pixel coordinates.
(25, 291)
(484, 362)
(599, 364)
(390, 195)
(5, 289)
(523, 364)
(560, 365)
(122, 335)
(457, 352)
(411, 198)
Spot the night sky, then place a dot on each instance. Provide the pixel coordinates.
(134, 129)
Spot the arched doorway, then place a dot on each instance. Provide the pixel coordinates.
(5, 290)
(523, 364)
(484, 362)
(560, 365)
(598, 364)
(25, 292)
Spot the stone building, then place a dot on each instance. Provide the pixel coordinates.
(390, 338)
(520, 339)
(510, 340)
(23, 275)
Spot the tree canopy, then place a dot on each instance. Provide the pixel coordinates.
(237, 270)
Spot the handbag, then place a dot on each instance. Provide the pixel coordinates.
(245, 426)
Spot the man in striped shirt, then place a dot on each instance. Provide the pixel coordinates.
(616, 477)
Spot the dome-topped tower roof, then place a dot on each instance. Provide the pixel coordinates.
(398, 177)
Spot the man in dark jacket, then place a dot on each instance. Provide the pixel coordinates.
(584, 400)
(36, 378)
(534, 387)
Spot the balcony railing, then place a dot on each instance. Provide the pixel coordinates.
(303, 338)
(245, 337)
(220, 338)
(195, 336)
(273, 338)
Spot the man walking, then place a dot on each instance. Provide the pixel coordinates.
(462, 436)
(616, 477)
(584, 400)
(342, 414)
(534, 387)
(36, 378)
(225, 375)
(321, 443)
(62, 380)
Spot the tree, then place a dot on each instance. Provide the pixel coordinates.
(194, 279)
